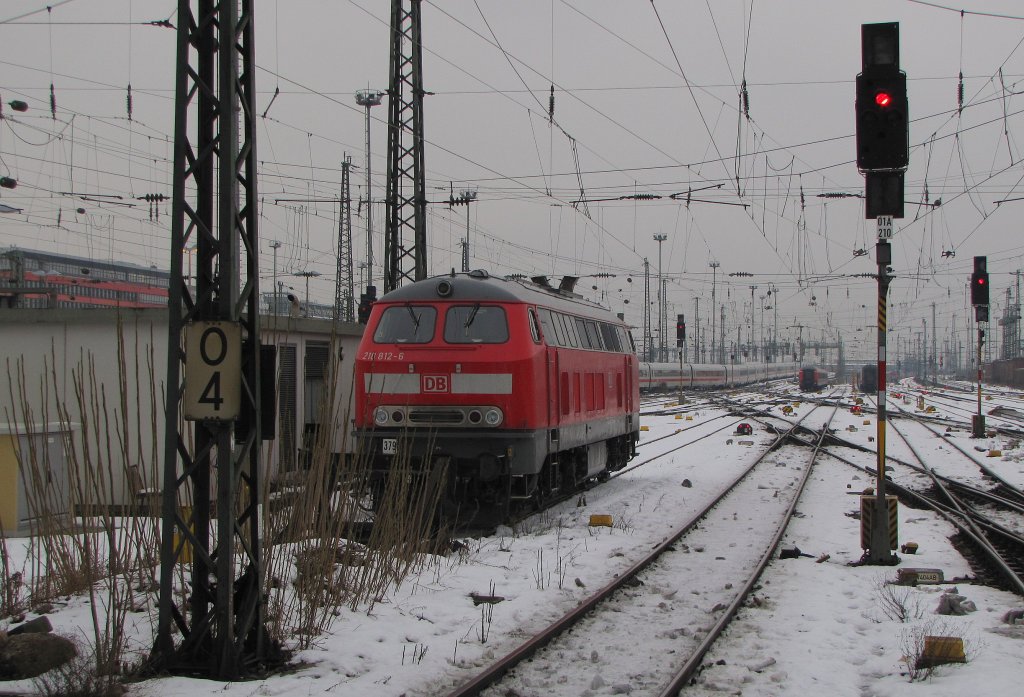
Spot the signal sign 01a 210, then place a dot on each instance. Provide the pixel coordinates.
(213, 371)
(885, 227)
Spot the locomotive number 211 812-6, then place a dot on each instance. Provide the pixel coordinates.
(382, 356)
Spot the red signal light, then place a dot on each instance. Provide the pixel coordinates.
(981, 281)
(883, 99)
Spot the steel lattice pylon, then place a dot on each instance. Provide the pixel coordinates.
(213, 523)
(406, 192)
(344, 287)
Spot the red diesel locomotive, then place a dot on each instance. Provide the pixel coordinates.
(516, 390)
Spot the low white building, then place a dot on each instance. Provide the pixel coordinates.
(100, 374)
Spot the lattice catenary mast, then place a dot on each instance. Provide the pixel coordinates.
(214, 465)
(405, 241)
(344, 286)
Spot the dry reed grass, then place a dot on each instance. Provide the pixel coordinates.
(315, 563)
(77, 543)
(81, 542)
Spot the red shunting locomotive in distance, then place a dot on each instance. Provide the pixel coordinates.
(520, 391)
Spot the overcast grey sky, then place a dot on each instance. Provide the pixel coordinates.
(640, 124)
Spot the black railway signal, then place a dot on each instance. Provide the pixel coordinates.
(680, 330)
(366, 301)
(979, 282)
(883, 131)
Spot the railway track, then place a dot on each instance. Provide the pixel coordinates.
(1004, 489)
(580, 494)
(649, 595)
(994, 550)
(1011, 424)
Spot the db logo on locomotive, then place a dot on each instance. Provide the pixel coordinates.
(435, 384)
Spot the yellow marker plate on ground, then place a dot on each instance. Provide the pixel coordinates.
(941, 649)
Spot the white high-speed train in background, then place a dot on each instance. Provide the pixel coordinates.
(670, 376)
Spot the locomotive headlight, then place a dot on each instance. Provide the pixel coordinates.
(493, 417)
(380, 416)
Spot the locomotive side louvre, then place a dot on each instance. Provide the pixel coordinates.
(538, 398)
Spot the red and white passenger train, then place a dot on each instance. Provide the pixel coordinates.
(517, 390)
(672, 376)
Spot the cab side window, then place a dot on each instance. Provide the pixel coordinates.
(534, 328)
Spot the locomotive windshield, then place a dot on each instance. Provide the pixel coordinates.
(406, 324)
(475, 324)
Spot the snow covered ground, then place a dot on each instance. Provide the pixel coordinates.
(813, 628)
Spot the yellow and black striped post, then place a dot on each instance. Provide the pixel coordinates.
(867, 517)
(879, 551)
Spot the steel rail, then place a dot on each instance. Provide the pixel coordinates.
(693, 663)
(636, 465)
(950, 515)
(988, 471)
(684, 430)
(1009, 421)
(968, 489)
(497, 670)
(955, 517)
(968, 517)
